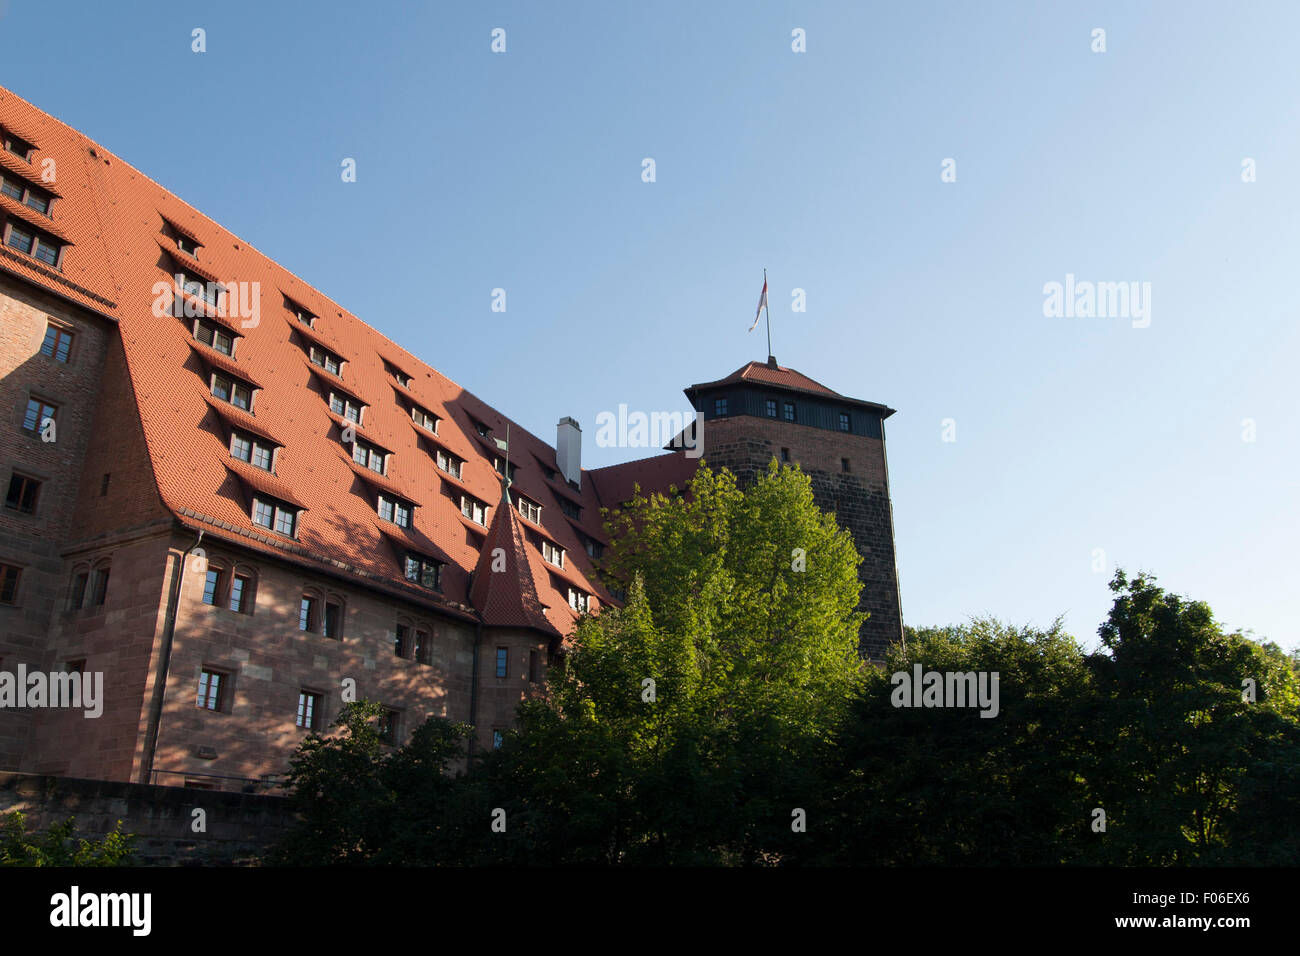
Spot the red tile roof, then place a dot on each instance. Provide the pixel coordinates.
(114, 218)
(759, 372)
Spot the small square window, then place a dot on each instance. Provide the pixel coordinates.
(23, 494)
(57, 344)
(37, 414)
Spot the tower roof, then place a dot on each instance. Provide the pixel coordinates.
(772, 375)
(505, 588)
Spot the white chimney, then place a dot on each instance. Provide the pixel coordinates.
(568, 450)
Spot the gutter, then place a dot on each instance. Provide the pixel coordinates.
(164, 663)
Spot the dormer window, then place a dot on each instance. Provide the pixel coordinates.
(395, 510)
(578, 600)
(473, 509)
(209, 292)
(325, 359)
(594, 548)
(553, 553)
(215, 337)
(346, 406)
(188, 246)
(499, 464)
(301, 312)
(570, 508)
(33, 242)
(232, 390)
(424, 571)
(19, 147)
(424, 418)
(26, 193)
(449, 463)
(251, 449)
(364, 453)
(275, 515)
(529, 509)
(399, 376)
(482, 429)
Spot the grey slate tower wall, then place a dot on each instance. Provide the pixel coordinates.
(746, 440)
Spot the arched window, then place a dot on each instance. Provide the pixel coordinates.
(321, 612)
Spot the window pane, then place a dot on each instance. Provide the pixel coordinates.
(12, 190)
(210, 587)
(262, 457)
(284, 521)
(237, 593)
(20, 239)
(305, 613)
(46, 252)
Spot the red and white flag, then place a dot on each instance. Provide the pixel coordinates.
(762, 304)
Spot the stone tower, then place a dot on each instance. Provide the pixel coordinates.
(764, 411)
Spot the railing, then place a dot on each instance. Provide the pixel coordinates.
(266, 783)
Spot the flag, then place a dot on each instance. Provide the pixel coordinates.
(762, 304)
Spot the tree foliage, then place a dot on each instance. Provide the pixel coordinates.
(58, 847)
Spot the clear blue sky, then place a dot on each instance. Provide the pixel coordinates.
(523, 171)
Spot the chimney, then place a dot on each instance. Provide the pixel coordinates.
(568, 451)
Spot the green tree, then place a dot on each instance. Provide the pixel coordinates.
(741, 622)
(57, 846)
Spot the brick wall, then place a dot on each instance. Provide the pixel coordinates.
(32, 542)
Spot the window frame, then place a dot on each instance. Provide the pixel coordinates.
(11, 579)
(28, 482)
(44, 410)
(220, 700)
(278, 509)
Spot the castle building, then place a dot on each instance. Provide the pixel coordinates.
(240, 504)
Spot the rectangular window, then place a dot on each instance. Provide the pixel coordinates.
(498, 738)
(214, 337)
(285, 522)
(346, 407)
(785, 454)
(23, 493)
(395, 510)
(503, 661)
(211, 690)
(57, 344)
(529, 509)
(449, 463)
(19, 147)
(553, 553)
(272, 514)
(789, 411)
(326, 360)
(388, 726)
(499, 464)
(38, 201)
(423, 571)
(570, 508)
(844, 421)
(77, 595)
(422, 646)
(399, 641)
(719, 406)
(99, 586)
(367, 455)
(9, 578)
(844, 464)
(12, 188)
(307, 614)
(769, 407)
(37, 414)
(241, 447)
(578, 600)
(262, 456)
(230, 390)
(249, 449)
(424, 419)
(473, 509)
(211, 587)
(263, 513)
(333, 621)
(187, 245)
(309, 710)
(594, 548)
(47, 250)
(240, 588)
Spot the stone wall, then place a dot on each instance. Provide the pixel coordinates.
(239, 827)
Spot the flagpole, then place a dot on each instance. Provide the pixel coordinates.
(767, 307)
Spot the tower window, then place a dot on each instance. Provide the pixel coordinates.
(844, 421)
(23, 494)
(57, 344)
(769, 408)
(844, 465)
(37, 414)
(785, 454)
(789, 411)
(719, 406)
(503, 661)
